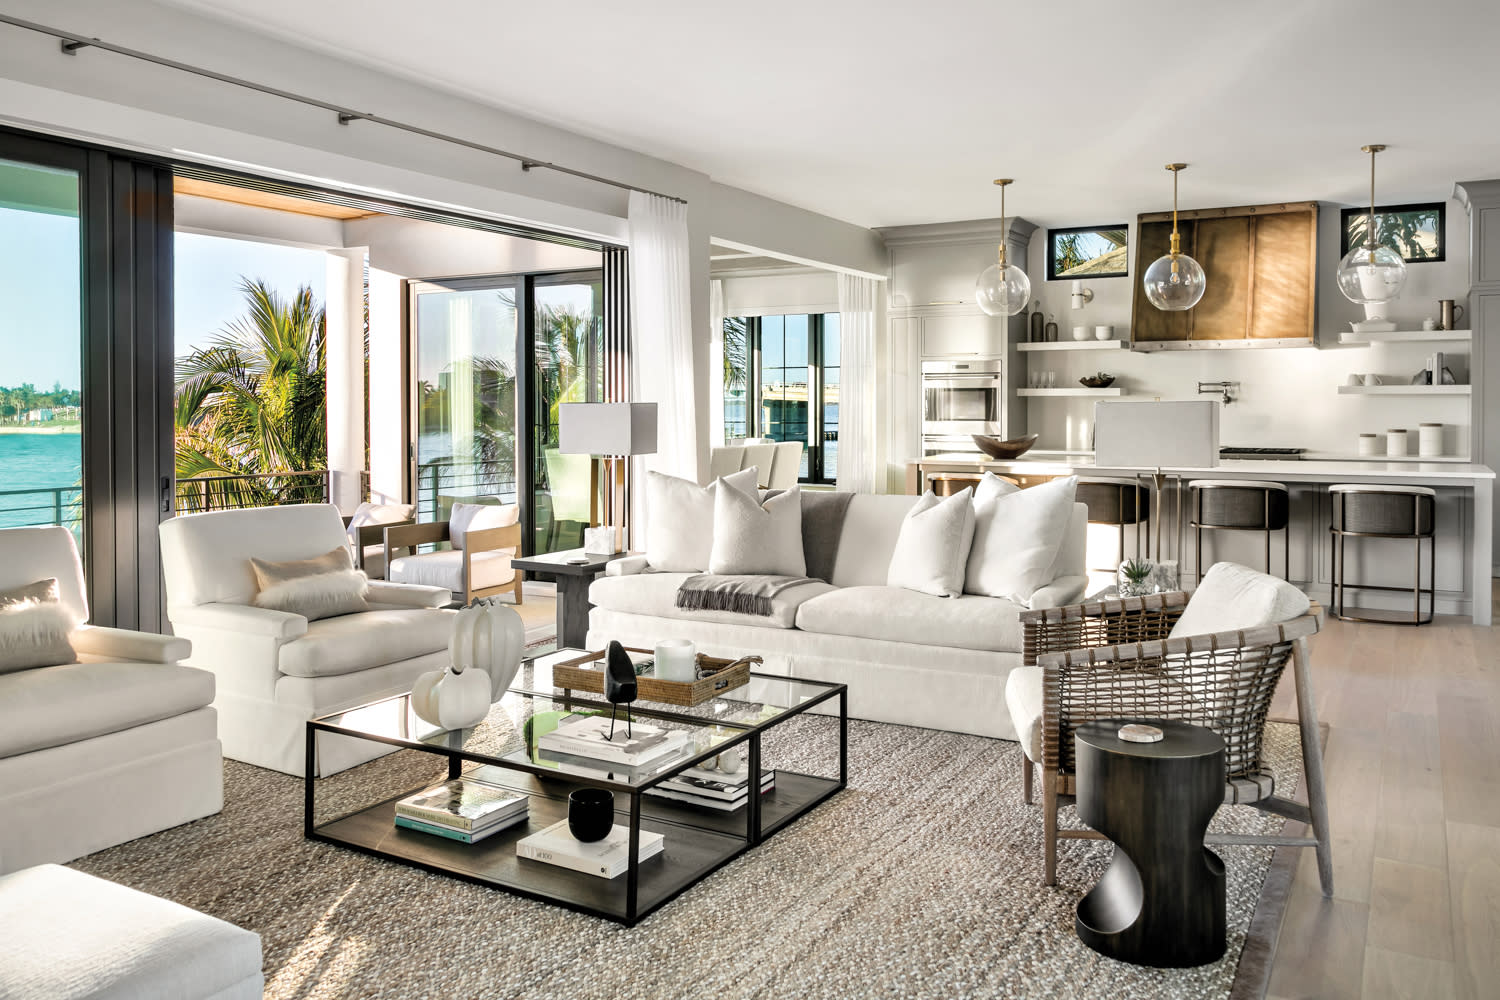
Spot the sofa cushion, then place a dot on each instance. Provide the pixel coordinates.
(67, 935)
(899, 615)
(752, 537)
(1023, 696)
(680, 519)
(357, 642)
(655, 594)
(1232, 597)
(933, 546)
(871, 525)
(446, 569)
(53, 706)
(1016, 539)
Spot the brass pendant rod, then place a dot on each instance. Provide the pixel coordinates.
(1176, 248)
(1002, 182)
(1370, 243)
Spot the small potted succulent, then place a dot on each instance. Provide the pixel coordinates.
(1137, 578)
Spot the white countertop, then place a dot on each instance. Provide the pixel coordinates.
(1061, 463)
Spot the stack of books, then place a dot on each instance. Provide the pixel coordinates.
(607, 858)
(712, 789)
(587, 737)
(462, 809)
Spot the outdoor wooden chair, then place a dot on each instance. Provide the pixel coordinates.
(1112, 659)
(477, 565)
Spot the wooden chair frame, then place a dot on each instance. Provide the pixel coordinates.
(1108, 659)
(406, 537)
(370, 534)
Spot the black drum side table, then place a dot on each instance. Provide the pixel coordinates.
(1161, 901)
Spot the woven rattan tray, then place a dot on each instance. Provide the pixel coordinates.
(584, 673)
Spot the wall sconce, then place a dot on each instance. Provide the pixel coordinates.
(1081, 295)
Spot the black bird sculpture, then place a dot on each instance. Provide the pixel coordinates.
(619, 684)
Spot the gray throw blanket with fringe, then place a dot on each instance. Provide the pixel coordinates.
(745, 595)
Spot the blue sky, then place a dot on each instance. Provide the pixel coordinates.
(39, 289)
(208, 278)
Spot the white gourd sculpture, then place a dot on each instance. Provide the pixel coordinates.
(485, 653)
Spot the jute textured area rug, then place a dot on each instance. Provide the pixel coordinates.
(922, 879)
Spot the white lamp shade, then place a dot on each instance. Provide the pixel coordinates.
(606, 428)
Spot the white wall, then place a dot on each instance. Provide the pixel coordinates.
(134, 105)
(1286, 398)
(780, 294)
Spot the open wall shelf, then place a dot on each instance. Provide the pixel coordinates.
(1403, 390)
(1352, 339)
(1074, 345)
(1113, 390)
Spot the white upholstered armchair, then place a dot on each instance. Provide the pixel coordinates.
(277, 669)
(117, 745)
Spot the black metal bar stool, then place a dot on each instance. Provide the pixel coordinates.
(1119, 503)
(1242, 505)
(1366, 511)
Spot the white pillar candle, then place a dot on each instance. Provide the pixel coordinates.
(676, 660)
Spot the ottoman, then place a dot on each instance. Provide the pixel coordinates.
(66, 935)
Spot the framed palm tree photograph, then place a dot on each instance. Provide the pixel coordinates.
(1088, 252)
(1416, 232)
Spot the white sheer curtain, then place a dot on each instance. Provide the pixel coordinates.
(715, 362)
(661, 332)
(857, 435)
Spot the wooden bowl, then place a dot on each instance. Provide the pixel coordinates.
(1099, 381)
(996, 448)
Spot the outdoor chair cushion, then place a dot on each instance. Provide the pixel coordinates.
(352, 643)
(446, 569)
(896, 614)
(1232, 597)
(1023, 696)
(54, 706)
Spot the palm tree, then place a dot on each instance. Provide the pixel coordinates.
(254, 401)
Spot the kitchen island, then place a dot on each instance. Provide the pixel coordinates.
(1465, 518)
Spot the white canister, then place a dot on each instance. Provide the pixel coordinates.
(1104, 332)
(1369, 444)
(1429, 440)
(1080, 333)
(1395, 441)
(676, 660)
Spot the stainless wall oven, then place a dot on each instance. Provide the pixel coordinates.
(960, 398)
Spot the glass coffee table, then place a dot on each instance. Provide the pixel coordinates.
(502, 751)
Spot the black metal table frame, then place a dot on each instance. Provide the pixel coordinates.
(754, 835)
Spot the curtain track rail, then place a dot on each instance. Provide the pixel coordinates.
(71, 43)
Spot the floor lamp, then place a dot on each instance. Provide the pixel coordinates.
(614, 432)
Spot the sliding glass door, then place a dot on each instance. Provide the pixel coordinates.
(41, 338)
(568, 330)
(464, 346)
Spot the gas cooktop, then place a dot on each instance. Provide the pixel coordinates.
(1267, 454)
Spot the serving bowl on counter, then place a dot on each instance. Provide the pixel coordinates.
(1009, 448)
(1099, 380)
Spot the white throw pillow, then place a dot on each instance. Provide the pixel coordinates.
(1231, 598)
(322, 587)
(992, 487)
(755, 538)
(34, 627)
(467, 517)
(1016, 540)
(680, 519)
(368, 513)
(933, 546)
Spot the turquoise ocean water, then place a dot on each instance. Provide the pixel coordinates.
(32, 467)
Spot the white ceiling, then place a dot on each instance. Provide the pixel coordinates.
(895, 111)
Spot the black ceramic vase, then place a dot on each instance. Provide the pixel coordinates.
(591, 814)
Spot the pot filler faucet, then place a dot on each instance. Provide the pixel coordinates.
(1224, 388)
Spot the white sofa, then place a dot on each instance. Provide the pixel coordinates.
(276, 669)
(908, 658)
(116, 746)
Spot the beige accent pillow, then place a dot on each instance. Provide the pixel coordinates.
(933, 546)
(467, 517)
(34, 627)
(323, 587)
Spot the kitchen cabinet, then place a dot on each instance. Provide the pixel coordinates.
(963, 336)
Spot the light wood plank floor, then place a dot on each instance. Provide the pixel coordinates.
(1413, 765)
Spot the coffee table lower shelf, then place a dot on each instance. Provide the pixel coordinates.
(697, 842)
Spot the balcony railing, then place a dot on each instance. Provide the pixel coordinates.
(442, 482)
(46, 505)
(262, 490)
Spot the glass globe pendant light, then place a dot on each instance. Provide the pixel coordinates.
(1002, 289)
(1371, 273)
(1174, 282)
